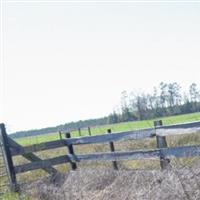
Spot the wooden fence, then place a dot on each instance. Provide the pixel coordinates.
(162, 152)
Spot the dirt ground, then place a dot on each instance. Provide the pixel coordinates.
(183, 184)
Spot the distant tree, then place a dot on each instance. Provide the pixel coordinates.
(124, 100)
(174, 97)
(151, 105)
(142, 106)
(186, 104)
(163, 94)
(194, 96)
(126, 114)
(113, 118)
(194, 92)
(155, 101)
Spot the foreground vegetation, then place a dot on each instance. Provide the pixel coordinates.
(14, 196)
(98, 184)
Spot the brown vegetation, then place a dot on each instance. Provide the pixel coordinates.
(117, 185)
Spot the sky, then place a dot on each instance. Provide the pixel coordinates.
(63, 62)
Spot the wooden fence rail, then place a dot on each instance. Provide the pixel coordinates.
(175, 152)
(162, 152)
(127, 135)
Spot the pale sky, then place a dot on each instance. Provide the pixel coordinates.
(63, 62)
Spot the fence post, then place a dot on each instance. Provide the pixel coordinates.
(89, 131)
(60, 135)
(112, 149)
(8, 158)
(79, 132)
(161, 143)
(158, 123)
(71, 151)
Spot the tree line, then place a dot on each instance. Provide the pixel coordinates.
(167, 99)
(63, 127)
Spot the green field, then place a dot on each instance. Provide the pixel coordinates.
(114, 127)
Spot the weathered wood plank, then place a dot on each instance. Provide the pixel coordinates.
(112, 149)
(152, 154)
(71, 151)
(60, 135)
(128, 135)
(178, 129)
(8, 158)
(38, 147)
(178, 152)
(195, 124)
(89, 131)
(116, 156)
(134, 135)
(79, 132)
(162, 143)
(30, 156)
(41, 164)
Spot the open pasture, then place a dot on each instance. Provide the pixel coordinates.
(126, 126)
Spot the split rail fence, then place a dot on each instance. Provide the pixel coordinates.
(162, 152)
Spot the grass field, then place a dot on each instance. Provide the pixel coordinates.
(114, 127)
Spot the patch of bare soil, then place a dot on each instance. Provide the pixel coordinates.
(183, 184)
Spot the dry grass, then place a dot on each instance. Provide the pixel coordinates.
(101, 184)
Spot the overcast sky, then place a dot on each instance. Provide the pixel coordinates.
(63, 62)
